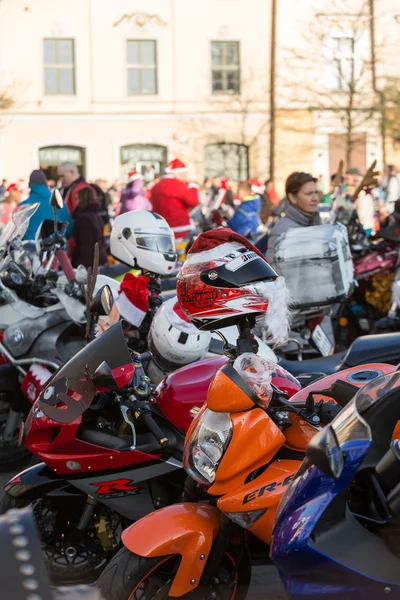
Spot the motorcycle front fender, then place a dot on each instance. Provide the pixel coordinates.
(37, 482)
(187, 529)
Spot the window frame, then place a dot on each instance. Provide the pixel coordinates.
(58, 67)
(141, 67)
(341, 85)
(226, 68)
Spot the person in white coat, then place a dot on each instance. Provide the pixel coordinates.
(365, 203)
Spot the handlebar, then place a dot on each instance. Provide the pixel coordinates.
(142, 413)
(152, 426)
(65, 265)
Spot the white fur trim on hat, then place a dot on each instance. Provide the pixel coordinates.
(277, 316)
(129, 311)
(217, 253)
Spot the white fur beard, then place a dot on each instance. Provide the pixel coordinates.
(277, 316)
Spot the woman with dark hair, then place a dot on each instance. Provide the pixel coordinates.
(301, 211)
(88, 229)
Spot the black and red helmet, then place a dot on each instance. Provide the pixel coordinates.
(225, 278)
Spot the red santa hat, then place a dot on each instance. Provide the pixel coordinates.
(134, 175)
(216, 244)
(224, 184)
(133, 298)
(12, 186)
(176, 166)
(256, 186)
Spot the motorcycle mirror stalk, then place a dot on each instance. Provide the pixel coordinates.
(244, 343)
(56, 202)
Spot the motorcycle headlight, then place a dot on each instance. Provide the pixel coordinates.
(206, 445)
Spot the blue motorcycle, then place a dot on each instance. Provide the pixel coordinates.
(337, 530)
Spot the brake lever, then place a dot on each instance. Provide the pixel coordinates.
(124, 411)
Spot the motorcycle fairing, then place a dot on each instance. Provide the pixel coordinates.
(328, 550)
(187, 529)
(19, 337)
(70, 391)
(120, 495)
(37, 482)
(262, 493)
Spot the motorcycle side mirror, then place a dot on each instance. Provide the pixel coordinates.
(324, 452)
(104, 378)
(102, 304)
(56, 200)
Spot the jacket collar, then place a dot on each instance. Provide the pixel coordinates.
(302, 219)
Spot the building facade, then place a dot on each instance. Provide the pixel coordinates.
(119, 85)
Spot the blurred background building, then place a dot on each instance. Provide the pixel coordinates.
(235, 88)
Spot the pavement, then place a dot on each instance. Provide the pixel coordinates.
(265, 584)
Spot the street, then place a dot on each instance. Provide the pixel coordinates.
(265, 582)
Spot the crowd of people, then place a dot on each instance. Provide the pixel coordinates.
(247, 207)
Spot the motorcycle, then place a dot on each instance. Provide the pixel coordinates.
(35, 339)
(241, 452)
(111, 456)
(335, 533)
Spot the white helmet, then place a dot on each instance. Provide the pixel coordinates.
(173, 340)
(142, 239)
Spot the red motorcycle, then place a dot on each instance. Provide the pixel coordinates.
(112, 451)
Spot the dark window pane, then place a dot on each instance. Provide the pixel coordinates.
(231, 53)
(66, 81)
(232, 81)
(133, 53)
(50, 81)
(65, 52)
(217, 81)
(50, 57)
(148, 81)
(216, 53)
(133, 81)
(147, 53)
(228, 160)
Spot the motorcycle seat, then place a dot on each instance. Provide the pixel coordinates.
(102, 438)
(379, 348)
(324, 364)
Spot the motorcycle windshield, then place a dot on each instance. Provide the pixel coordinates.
(70, 392)
(357, 420)
(17, 226)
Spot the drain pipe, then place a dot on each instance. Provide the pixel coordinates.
(272, 82)
(379, 93)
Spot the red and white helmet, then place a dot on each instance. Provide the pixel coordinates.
(225, 278)
(173, 340)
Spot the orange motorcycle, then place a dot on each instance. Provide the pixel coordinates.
(240, 458)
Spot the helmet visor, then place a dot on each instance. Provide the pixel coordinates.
(252, 271)
(158, 243)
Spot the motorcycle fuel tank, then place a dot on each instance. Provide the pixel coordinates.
(182, 393)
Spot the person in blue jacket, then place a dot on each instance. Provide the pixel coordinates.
(246, 219)
(39, 192)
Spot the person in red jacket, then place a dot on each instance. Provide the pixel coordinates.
(172, 198)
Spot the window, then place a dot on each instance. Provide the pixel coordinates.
(148, 159)
(51, 156)
(226, 160)
(343, 57)
(59, 67)
(225, 67)
(142, 67)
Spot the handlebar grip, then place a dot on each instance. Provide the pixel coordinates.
(65, 265)
(154, 429)
(145, 356)
(64, 228)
